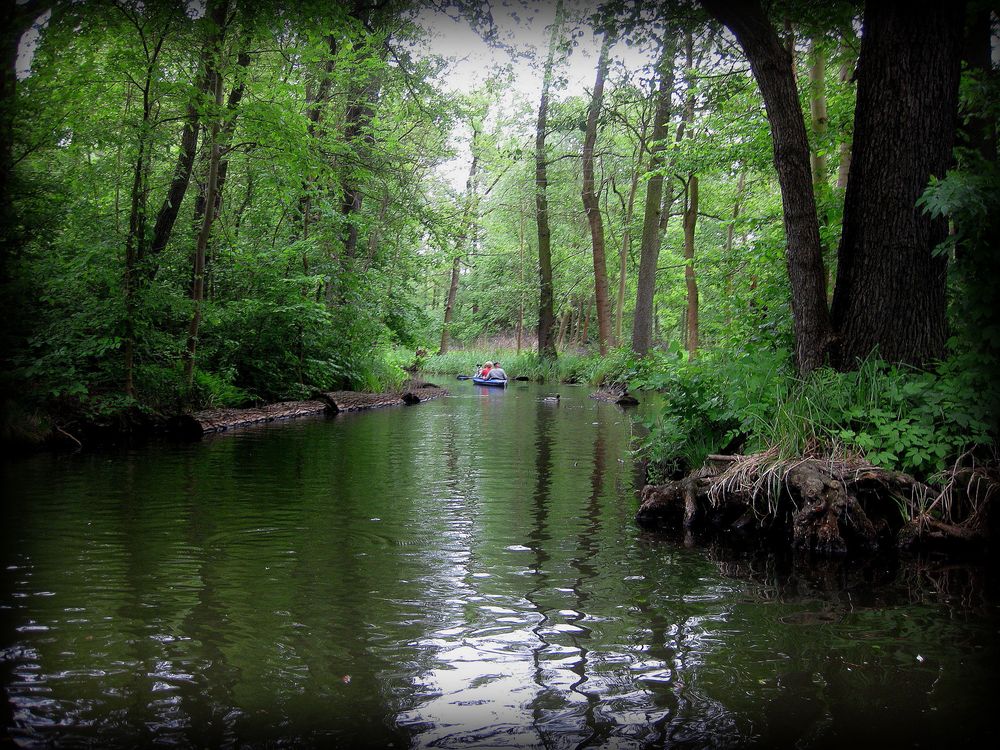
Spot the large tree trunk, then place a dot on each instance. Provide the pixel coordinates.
(546, 315)
(690, 279)
(649, 248)
(772, 67)
(592, 206)
(890, 293)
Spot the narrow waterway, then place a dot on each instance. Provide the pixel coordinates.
(465, 572)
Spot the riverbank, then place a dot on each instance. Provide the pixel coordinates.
(829, 506)
(211, 421)
(139, 425)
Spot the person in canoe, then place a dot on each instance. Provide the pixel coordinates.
(497, 372)
(485, 372)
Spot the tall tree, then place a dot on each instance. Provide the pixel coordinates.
(15, 18)
(463, 234)
(891, 286)
(152, 38)
(771, 64)
(546, 314)
(649, 247)
(201, 93)
(592, 206)
(690, 278)
(214, 71)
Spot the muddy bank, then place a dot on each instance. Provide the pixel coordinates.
(615, 395)
(211, 421)
(829, 507)
(136, 425)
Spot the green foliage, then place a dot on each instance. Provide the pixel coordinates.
(918, 422)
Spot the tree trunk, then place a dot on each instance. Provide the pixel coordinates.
(690, 279)
(727, 251)
(817, 110)
(198, 289)
(624, 251)
(772, 67)
(135, 241)
(890, 293)
(844, 157)
(456, 266)
(546, 314)
(592, 207)
(520, 274)
(649, 249)
(585, 331)
(167, 215)
(15, 19)
(357, 128)
(449, 307)
(564, 322)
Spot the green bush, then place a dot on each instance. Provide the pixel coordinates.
(896, 417)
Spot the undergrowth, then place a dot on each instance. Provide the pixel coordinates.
(899, 418)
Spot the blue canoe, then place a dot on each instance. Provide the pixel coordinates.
(495, 383)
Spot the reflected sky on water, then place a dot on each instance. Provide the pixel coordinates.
(465, 572)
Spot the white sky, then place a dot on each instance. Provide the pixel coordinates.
(473, 60)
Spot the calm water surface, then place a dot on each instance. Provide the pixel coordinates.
(463, 572)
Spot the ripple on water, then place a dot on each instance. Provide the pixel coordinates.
(462, 573)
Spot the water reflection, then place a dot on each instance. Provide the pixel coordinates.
(466, 572)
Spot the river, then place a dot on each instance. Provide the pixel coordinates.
(465, 572)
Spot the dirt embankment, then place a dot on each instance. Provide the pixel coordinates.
(830, 507)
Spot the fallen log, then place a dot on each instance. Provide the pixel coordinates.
(210, 421)
(338, 401)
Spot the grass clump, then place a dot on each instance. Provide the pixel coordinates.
(896, 417)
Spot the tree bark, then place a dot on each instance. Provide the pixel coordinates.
(844, 162)
(198, 289)
(592, 206)
(169, 209)
(624, 251)
(818, 113)
(891, 286)
(649, 248)
(357, 129)
(771, 64)
(690, 279)
(135, 240)
(520, 274)
(456, 266)
(15, 19)
(546, 314)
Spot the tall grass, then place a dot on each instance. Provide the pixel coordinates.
(893, 416)
(566, 368)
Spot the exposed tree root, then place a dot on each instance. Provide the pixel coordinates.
(826, 506)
